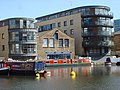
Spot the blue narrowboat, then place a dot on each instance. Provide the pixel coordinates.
(22, 67)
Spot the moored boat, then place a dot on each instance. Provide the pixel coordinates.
(25, 68)
(21, 67)
(4, 69)
(108, 61)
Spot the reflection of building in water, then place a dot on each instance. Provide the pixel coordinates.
(86, 71)
(65, 72)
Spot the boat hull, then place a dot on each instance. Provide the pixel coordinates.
(4, 71)
(21, 68)
(22, 73)
(108, 63)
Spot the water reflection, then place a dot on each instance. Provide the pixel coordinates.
(66, 72)
(84, 71)
(59, 78)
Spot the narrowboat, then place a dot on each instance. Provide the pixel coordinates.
(21, 67)
(25, 68)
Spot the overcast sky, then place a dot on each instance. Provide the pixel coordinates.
(37, 8)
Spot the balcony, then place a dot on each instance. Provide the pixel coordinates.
(28, 42)
(96, 24)
(100, 14)
(90, 34)
(23, 42)
(105, 33)
(97, 43)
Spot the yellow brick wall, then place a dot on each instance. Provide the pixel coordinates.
(4, 42)
(49, 34)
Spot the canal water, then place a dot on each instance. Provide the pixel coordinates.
(85, 78)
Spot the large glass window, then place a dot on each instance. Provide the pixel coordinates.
(31, 36)
(45, 42)
(53, 25)
(30, 24)
(24, 24)
(14, 24)
(16, 48)
(88, 21)
(47, 27)
(16, 36)
(11, 24)
(29, 49)
(24, 37)
(17, 22)
(21, 23)
(28, 36)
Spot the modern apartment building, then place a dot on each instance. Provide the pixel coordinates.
(116, 25)
(18, 39)
(91, 27)
(55, 44)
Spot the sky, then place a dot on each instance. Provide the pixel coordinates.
(37, 8)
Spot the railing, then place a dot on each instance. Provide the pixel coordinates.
(102, 23)
(110, 14)
(97, 34)
(97, 43)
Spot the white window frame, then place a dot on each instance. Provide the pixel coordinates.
(45, 42)
(51, 42)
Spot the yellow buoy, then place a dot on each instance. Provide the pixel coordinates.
(73, 74)
(37, 75)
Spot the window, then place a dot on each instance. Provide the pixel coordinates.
(16, 36)
(47, 27)
(60, 42)
(59, 24)
(29, 49)
(24, 24)
(11, 24)
(72, 31)
(56, 36)
(17, 22)
(45, 42)
(65, 23)
(21, 23)
(3, 36)
(65, 31)
(71, 22)
(53, 25)
(51, 42)
(16, 48)
(3, 47)
(66, 42)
